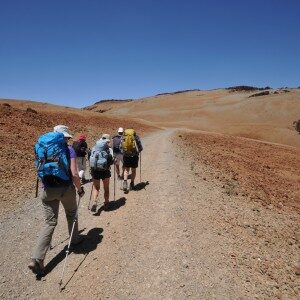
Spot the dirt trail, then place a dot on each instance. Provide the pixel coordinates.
(168, 240)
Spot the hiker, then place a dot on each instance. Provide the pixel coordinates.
(130, 146)
(57, 188)
(80, 146)
(118, 155)
(100, 161)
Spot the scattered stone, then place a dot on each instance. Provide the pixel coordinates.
(31, 110)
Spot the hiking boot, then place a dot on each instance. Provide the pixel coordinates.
(125, 187)
(132, 186)
(37, 266)
(106, 206)
(94, 208)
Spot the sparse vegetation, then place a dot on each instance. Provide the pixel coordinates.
(246, 88)
(265, 93)
(178, 92)
(31, 110)
(113, 100)
(297, 125)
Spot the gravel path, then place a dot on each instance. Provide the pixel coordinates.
(172, 239)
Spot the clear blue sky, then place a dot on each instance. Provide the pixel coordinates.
(77, 52)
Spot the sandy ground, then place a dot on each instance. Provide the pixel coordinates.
(268, 118)
(178, 237)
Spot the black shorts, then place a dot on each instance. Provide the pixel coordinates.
(130, 161)
(97, 175)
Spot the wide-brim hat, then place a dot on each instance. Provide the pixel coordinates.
(63, 129)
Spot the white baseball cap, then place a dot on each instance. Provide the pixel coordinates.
(63, 129)
(105, 136)
(121, 130)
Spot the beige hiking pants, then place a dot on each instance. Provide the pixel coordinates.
(50, 199)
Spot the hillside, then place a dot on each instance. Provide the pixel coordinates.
(106, 105)
(21, 124)
(213, 216)
(268, 115)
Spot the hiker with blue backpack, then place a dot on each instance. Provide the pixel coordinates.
(100, 161)
(57, 169)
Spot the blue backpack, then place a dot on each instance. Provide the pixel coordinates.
(99, 156)
(52, 158)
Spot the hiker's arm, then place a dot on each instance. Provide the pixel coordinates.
(75, 175)
(110, 157)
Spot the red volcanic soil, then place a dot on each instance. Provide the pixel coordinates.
(19, 131)
(265, 172)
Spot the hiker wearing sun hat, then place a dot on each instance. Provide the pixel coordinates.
(80, 146)
(100, 161)
(118, 155)
(56, 167)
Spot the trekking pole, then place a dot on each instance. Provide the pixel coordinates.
(37, 187)
(141, 167)
(114, 182)
(90, 196)
(70, 240)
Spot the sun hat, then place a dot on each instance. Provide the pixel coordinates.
(63, 129)
(120, 130)
(82, 137)
(105, 136)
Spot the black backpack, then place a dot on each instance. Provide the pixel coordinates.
(116, 144)
(80, 148)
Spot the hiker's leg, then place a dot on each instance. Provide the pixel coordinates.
(68, 200)
(133, 174)
(135, 163)
(83, 167)
(106, 190)
(126, 173)
(96, 188)
(79, 164)
(117, 164)
(50, 206)
(118, 169)
(123, 169)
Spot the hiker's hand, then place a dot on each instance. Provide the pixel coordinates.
(80, 192)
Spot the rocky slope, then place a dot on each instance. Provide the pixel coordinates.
(19, 130)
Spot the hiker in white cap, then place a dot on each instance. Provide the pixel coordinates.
(118, 155)
(59, 182)
(100, 161)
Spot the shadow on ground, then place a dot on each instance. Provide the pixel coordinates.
(112, 205)
(90, 242)
(52, 246)
(141, 185)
